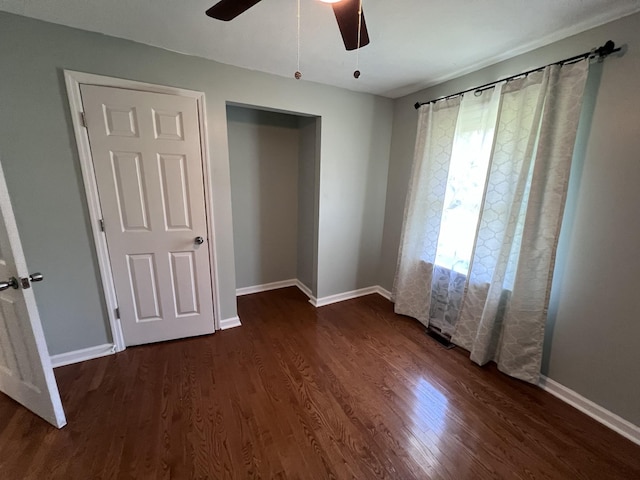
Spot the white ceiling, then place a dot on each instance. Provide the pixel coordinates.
(414, 43)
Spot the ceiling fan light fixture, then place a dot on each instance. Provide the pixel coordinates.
(348, 13)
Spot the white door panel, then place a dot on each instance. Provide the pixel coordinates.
(148, 166)
(25, 367)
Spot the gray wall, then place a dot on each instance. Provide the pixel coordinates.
(308, 170)
(593, 334)
(263, 159)
(352, 201)
(273, 163)
(39, 155)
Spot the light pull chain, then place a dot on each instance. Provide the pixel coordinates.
(298, 75)
(356, 73)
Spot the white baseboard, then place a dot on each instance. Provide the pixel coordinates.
(341, 297)
(304, 289)
(316, 302)
(267, 286)
(62, 359)
(231, 322)
(383, 292)
(595, 411)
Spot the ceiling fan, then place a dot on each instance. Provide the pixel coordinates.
(346, 12)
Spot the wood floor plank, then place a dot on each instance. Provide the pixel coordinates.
(346, 391)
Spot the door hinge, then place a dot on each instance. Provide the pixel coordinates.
(83, 120)
(101, 225)
(118, 313)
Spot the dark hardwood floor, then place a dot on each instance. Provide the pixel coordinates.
(345, 391)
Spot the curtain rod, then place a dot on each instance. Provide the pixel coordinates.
(605, 50)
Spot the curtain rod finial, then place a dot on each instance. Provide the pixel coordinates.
(607, 49)
(417, 105)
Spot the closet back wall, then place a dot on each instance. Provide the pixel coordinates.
(263, 158)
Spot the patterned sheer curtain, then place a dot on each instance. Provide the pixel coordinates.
(483, 214)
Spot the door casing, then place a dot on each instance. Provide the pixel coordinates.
(73, 80)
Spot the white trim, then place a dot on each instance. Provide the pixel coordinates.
(101, 80)
(316, 302)
(265, 287)
(595, 411)
(228, 323)
(62, 359)
(208, 200)
(304, 289)
(341, 297)
(73, 80)
(307, 291)
(383, 292)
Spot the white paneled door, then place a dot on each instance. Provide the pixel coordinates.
(25, 368)
(147, 160)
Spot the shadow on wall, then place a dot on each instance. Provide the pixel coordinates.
(567, 230)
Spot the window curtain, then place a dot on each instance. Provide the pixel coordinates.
(423, 208)
(497, 308)
(462, 202)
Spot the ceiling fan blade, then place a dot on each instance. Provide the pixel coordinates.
(346, 13)
(229, 9)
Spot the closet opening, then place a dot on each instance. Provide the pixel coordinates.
(274, 159)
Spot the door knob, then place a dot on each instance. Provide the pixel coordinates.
(13, 282)
(199, 240)
(36, 277)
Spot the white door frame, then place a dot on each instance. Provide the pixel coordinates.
(73, 81)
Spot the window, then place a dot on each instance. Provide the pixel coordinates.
(466, 181)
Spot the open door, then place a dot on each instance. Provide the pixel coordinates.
(25, 368)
